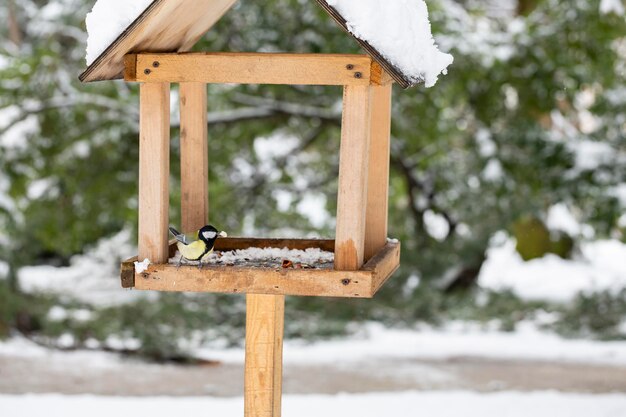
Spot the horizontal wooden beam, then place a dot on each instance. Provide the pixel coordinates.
(254, 68)
(363, 283)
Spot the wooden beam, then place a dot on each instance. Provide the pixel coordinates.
(272, 279)
(378, 178)
(353, 177)
(194, 155)
(378, 75)
(251, 68)
(265, 318)
(154, 171)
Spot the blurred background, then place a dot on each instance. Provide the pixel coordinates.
(508, 192)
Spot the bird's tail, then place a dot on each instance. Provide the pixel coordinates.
(179, 236)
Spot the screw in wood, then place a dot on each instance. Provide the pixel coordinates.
(156, 64)
(346, 281)
(147, 71)
(349, 67)
(358, 75)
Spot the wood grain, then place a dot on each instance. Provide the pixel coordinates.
(194, 155)
(378, 178)
(265, 316)
(165, 26)
(252, 68)
(154, 171)
(276, 281)
(378, 75)
(383, 265)
(353, 178)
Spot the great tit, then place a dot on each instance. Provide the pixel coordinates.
(199, 248)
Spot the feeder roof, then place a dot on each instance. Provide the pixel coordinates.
(176, 26)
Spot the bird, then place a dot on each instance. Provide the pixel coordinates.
(197, 249)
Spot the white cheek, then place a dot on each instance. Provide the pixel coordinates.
(209, 235)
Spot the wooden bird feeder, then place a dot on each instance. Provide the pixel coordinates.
(152, 51)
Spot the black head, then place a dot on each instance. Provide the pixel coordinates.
(209, 234)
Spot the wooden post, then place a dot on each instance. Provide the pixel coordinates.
(265, 318)
(353, 174)
(378, 177)
(154, 171)
(194, 156)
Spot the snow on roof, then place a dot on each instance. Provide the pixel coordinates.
(399, 31)
(107, 20)
(395, 33)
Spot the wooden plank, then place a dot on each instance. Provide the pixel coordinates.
(265, 317)
(378, 75)
(391, 69)
(378, 178)
(236, 280)
(383, 265)
(165, 26)
(253, 68)
(154, 171)
(276, 281)
(194, 155)
(353, 173)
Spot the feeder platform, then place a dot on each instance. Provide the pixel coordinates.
(321, 281)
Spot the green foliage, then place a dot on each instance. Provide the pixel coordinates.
(25, 313)
(498, 139)
(599, 314)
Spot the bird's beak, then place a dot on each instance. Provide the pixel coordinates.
(223, 234)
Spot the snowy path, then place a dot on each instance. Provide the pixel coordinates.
(439, 404)
(461, 356)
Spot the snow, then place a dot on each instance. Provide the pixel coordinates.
(311, 256)
(436, 225)
(142, 266)
(313, 207)
(20, 347)
(591, 154)
(491, 37)
(17, 127)
(493, 170)
(92, 277)
(411, 403)
(561, 218)
(401, 31)
(456, 339)
(107, 20)
(600, 266)
(612, 6)
(58, 313)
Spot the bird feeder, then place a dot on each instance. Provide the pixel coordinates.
(152, 52)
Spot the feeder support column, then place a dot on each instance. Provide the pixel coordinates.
(194, 156)
(353, 178)
(378, 177)
(154, 171)
(265, 319)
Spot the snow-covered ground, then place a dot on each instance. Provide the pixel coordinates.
(455, 340)
(439, 404)
(374, 342)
